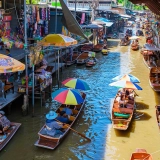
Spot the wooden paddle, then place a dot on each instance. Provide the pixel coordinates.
(82, 135)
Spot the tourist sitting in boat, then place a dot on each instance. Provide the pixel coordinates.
(4, 122)
(62, 117)
(68, 110)
(52, 127)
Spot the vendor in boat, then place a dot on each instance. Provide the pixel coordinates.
(4, 122)
(63, 117)
(53, 128)
(68, 110)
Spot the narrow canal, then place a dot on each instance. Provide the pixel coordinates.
(94, 122)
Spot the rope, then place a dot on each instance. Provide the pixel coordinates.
(151, 154)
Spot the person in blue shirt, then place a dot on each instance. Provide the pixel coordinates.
(68, 110)
(63, 117)
(52, 127)
(8, 53)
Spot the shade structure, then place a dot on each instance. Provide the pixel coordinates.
(127, 77)
(67, 96)
(92, 26)
(152, 47)
(126, 84)
(134, 37)
(58, 40)
(76, 84)
(98, 22)
(8, 64)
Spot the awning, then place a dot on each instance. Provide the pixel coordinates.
(151, 47)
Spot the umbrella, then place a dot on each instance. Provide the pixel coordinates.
(67, 96)
(126, 84)
(8, 64)
(76, 84)
(134, 37)
(127, 77)
(58, 40)
(92, 26)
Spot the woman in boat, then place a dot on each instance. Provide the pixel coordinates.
(63, 117)
(68, 110)
(53, 128)
(4, 122)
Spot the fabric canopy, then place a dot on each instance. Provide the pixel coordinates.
(58, 40)
(70, 22)
(151, 47)
(8, 64)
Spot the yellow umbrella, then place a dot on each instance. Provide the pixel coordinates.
(8, 64)
(58, 40)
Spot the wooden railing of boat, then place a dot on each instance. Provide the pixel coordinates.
(9, 133)
(141, 154)
(154, 78)
(121, 123)
(49, 142)
(158, 115)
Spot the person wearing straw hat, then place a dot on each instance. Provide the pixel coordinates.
(4, 122)
(53, 128)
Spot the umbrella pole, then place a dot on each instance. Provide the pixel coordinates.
(33, 90)
(58, 68)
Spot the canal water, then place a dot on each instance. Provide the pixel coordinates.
(94, 121)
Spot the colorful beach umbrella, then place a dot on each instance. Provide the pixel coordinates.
(76, 84)
(126, 84)
(68, 96)
(8, 64)
(127, 77)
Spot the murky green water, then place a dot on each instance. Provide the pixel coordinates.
(94, 122)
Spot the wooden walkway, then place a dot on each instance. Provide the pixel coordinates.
(10, 97)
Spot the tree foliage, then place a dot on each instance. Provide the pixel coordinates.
(32, 1)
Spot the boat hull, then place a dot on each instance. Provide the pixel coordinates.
(158, 115)
(51, 143)
(11, 132)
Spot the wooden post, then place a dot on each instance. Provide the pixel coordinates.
(25, 106)
(43, 98)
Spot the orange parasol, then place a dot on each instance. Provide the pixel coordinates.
(8, 64)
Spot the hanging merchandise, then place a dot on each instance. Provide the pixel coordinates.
(37, 21)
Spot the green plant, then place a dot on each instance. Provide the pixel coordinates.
(32, 1)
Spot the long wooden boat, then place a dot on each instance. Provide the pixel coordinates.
(121, 117)
(71, 60)
(122, 43)
(97, 48)
(87, 47)
(158, 115)
(82, 58)
(141, 154)
(147, 55)
(105, 51)
(49, 142)
(154, 78)
(135, 47)
(4, 139)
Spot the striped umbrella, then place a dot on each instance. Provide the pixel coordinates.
(76, 84)
(127, 77)
(126, 84)
(68, 96)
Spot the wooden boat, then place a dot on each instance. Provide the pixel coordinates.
(87, 47)
(134, 47)
(154, 78)
(141, 154)
(91, 62)
(71, 60)
(120, 116)
(158, 115)
(49, 142)
(122, 43)
(9, 134)
(82, 58)
(98, 48)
